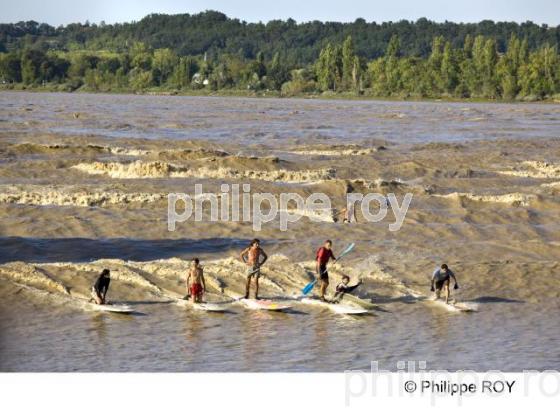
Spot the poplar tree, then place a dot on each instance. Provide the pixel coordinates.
(449, 69)
(507, 69)
(489, 60)
(349, 76)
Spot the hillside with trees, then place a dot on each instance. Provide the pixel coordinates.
(209, 52)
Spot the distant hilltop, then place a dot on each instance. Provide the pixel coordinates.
(215, 33)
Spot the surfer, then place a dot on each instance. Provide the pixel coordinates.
(100, 287)
(343, 288)
(349, 213)
(324, 255)
(196, 285)
(251, 256)
(441, 279)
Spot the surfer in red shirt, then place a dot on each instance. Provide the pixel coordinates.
(324, 255)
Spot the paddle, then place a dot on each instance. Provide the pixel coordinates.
(311, 284)
(308, 287)
(346, 251)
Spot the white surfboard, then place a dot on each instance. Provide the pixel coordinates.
(366, 304)
(336, 307)
(205, 306)
(210, 307)
(454, 306)
(264, 304)
(116, 308)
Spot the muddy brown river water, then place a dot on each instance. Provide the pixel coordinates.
(84, 180)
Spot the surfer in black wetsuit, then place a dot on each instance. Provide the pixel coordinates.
(343, 288)
(100, 287)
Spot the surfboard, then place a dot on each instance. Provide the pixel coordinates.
(263, 304)
(204, 306)
(366, 304)
(336, 307)
(453, 306)
(117, 308)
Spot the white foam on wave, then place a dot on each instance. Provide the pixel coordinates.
(46, 195)
(513, 199)
(534, 169)
(160, 169)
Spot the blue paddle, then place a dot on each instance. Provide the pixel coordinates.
(347, 250)
(308, 287)
(311, 284)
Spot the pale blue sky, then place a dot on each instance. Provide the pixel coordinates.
(66, 11)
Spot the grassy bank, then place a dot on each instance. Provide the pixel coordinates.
(329, 95)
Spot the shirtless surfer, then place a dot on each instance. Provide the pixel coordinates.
(196, 285)
(251, 256)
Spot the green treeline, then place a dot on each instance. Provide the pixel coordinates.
(214, 33)
(476, 70)
(478, 66)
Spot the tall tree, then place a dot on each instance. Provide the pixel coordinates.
(508, 67)
(31, 61)
(489, 79)
(540, 76)
(449, 70)
(349, 75)
(163, 63)
(277, 73)
(357, 74)
(475, 69)
(329, 68)
(434, 72)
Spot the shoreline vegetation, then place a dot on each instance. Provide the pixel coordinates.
(485, 61)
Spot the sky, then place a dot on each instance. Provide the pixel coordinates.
(56, 12)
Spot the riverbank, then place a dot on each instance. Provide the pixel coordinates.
(225, 93)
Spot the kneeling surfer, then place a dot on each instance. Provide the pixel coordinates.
(342, 288)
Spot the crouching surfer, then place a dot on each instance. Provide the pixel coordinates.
(441, 279)
(342, 288)
(100, 287)
(196, 286)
